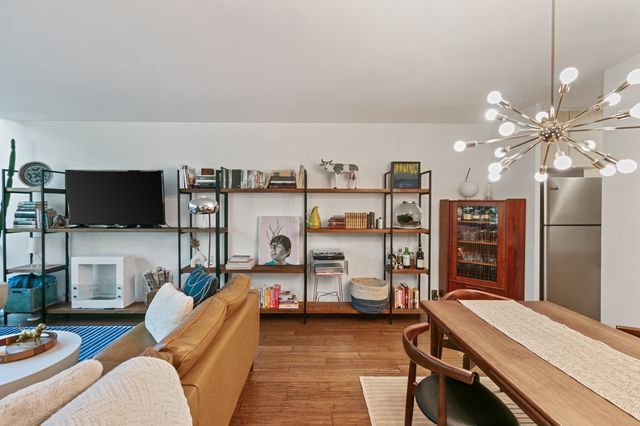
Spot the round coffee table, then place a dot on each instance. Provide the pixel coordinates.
(20, 374)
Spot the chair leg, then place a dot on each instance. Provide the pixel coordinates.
(339, 288)
(411, 390)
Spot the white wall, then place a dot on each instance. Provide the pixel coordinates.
(110, 145)
(620, 210)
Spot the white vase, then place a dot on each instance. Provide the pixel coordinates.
(198, 258)
(468, 189)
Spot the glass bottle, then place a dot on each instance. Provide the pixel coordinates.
(406, 257)
(420, 257)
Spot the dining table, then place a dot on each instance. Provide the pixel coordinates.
(547, 394)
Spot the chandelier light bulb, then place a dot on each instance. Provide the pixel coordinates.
(540, 177)
(613, 99)
(588, 145)
(626, 165)
(568, 75)
(542, 116)
(495, 168)
(500, 152)
(494, 97)
(459, 146)
(634, 76)
(608, 170)
(494, 177)
(635, 111)
(562, 161)
(507, 128)
(491, 114)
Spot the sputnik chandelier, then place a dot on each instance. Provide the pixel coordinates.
(553, 135)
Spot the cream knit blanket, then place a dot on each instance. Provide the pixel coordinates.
(611, 374)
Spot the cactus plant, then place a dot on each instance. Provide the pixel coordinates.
(9, 184)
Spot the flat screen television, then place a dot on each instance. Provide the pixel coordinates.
(115, 197)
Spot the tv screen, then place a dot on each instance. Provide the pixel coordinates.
(110, 197)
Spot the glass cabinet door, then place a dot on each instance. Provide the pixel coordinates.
(476, 242)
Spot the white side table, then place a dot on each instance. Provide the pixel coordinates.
(20, 374)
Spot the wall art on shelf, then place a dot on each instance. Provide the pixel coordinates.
(32, 173)
(280, 240)
(406, 174)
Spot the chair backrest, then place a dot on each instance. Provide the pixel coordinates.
(409, 342)
(470, 294)
(4, 293)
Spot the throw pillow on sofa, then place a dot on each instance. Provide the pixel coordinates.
(185, 345)
(36, 403)
(167, 311)
(200, 285)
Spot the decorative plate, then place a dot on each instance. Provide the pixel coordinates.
(31, 172)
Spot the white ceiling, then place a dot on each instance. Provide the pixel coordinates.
(298, 60)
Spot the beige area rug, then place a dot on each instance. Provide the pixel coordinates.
(385, 398)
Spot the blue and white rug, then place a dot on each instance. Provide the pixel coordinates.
(94, 337)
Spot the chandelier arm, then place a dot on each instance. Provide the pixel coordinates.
(523, 143)
(594, 107)
(508, 106)
(543, 165)
(619, 116)
(597, 129)
(503, 117)
(474, 143)
(556, 111)
(518, 155)
(576, 146)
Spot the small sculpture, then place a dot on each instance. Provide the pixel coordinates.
(339, 168)
(198, 258)
(31, 334)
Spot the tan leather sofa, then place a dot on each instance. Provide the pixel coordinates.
(212, 350)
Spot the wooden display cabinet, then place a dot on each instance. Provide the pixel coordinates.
(482, 246)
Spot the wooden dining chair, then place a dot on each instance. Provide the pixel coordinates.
(450, 395)
(464, 294)
(634, 331)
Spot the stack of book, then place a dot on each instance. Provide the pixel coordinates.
(337, 222)
(29, 215)
(206, 178)
(243, 262)
(270, 297)
(405, 297)
(360, 220)
(187, 176)
(283, 179)
(323, 267)
(287, 300)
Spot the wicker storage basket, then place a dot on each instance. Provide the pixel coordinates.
(369, 295)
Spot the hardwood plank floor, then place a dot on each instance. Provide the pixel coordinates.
(309, 374)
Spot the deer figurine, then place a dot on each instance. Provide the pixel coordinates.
(338, 168)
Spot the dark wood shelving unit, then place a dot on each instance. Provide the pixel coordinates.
(36, 269)
(64, 308)
(367, 231)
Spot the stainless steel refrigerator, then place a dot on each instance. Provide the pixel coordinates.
(572, 230)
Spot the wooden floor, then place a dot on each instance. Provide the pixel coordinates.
(309, 374)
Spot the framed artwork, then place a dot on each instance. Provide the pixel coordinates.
(280, 240)
(406, 174)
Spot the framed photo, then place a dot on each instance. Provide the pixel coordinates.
(406, 174)
(280, 240)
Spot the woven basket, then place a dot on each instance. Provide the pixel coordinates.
(369, 295)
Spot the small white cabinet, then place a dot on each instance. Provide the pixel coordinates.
(102, 282)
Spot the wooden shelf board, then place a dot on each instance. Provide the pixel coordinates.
(258, 269)
(407, 311)
(36, 189)
(25, 269)
(471, 262)
(263, 190)
(197, 190)
(483, 243)
(335, 308)
(281, 311)
(64, 308)
(168, 229)
(408, 271)
(478, 222)
(368, 231)
(203, 230)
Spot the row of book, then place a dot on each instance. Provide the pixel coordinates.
(274, 298)
(29, 215)
(257, 179)
(189, 179)
(243, 262)
(405, 297)
(352, 220)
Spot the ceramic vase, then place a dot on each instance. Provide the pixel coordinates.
(314, 219)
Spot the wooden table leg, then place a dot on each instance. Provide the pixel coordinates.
(436, 339)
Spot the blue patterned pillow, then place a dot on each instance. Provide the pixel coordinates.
(200, 285)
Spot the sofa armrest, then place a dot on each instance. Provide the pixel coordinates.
(129, 345)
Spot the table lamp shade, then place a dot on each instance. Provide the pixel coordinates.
(35, 245)
(203, 205)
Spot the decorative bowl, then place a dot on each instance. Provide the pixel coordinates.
(31, 173)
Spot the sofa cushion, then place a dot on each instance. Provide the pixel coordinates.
(167, 311)
(36, 403)
(187, 344)
(200, 285)
(141, 391)
(234, 293)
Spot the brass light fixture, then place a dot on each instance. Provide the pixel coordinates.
(546, 130)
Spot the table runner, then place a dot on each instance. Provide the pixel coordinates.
(611, 374)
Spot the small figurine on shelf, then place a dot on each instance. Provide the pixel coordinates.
(350, 170)
(31, 334)
(198, 258)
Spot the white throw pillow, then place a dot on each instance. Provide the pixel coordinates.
(142, 391)
(167, 311)
(36, 403)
